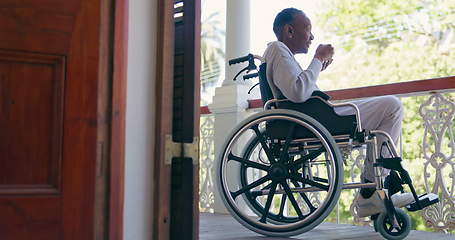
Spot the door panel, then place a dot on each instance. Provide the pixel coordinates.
(49, 78)
(31, 120)
(22, 219)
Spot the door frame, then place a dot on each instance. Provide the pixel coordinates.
(118, 118)
(164, 117)
(163, 126)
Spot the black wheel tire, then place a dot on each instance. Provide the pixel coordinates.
(382, 225)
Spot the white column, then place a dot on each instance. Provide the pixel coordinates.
(230, 100)
(237, 36)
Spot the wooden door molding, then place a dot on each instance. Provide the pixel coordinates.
(163, 104)
(117, 150)
(49, 70)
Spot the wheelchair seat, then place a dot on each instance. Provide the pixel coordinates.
(315, 107)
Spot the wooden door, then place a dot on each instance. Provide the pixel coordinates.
(49, 118)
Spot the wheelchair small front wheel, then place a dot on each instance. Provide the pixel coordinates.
(384, 225)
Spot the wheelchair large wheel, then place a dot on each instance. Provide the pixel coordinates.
(279, 186)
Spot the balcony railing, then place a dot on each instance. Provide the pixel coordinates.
(432, 145)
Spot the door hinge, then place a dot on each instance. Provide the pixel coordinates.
(174, 149)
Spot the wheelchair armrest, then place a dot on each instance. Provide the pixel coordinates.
(318, 94)
(268, 104)
(356, 109)
(321, 94)
(323, 97)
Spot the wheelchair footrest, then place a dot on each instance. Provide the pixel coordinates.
(424, 201)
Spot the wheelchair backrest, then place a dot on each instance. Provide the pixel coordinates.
(266, 92)
(313, 107)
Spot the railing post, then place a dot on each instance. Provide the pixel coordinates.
(438, 147)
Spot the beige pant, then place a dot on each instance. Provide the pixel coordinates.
(377, 113)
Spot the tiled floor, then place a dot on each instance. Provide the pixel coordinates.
(224, 227)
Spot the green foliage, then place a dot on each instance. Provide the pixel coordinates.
(381, 42)
(401, 61)
(346, 17)
(378, 42)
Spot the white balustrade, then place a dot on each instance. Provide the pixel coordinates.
(438, 152)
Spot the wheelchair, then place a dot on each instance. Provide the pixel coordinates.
(280, 171)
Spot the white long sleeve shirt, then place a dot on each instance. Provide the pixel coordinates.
(285, 76)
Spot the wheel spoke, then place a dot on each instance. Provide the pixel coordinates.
(305, 198)
(307, 157)
(286, 144)
(390, 229)
(250, 186)
(401, 224)
(269, 202)
(283, 202)
(267, 150)
(309, 182)
(292, 199)
(248, 163)
(321, 179)
(266, 186)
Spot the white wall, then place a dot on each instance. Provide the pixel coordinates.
(140, 120)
